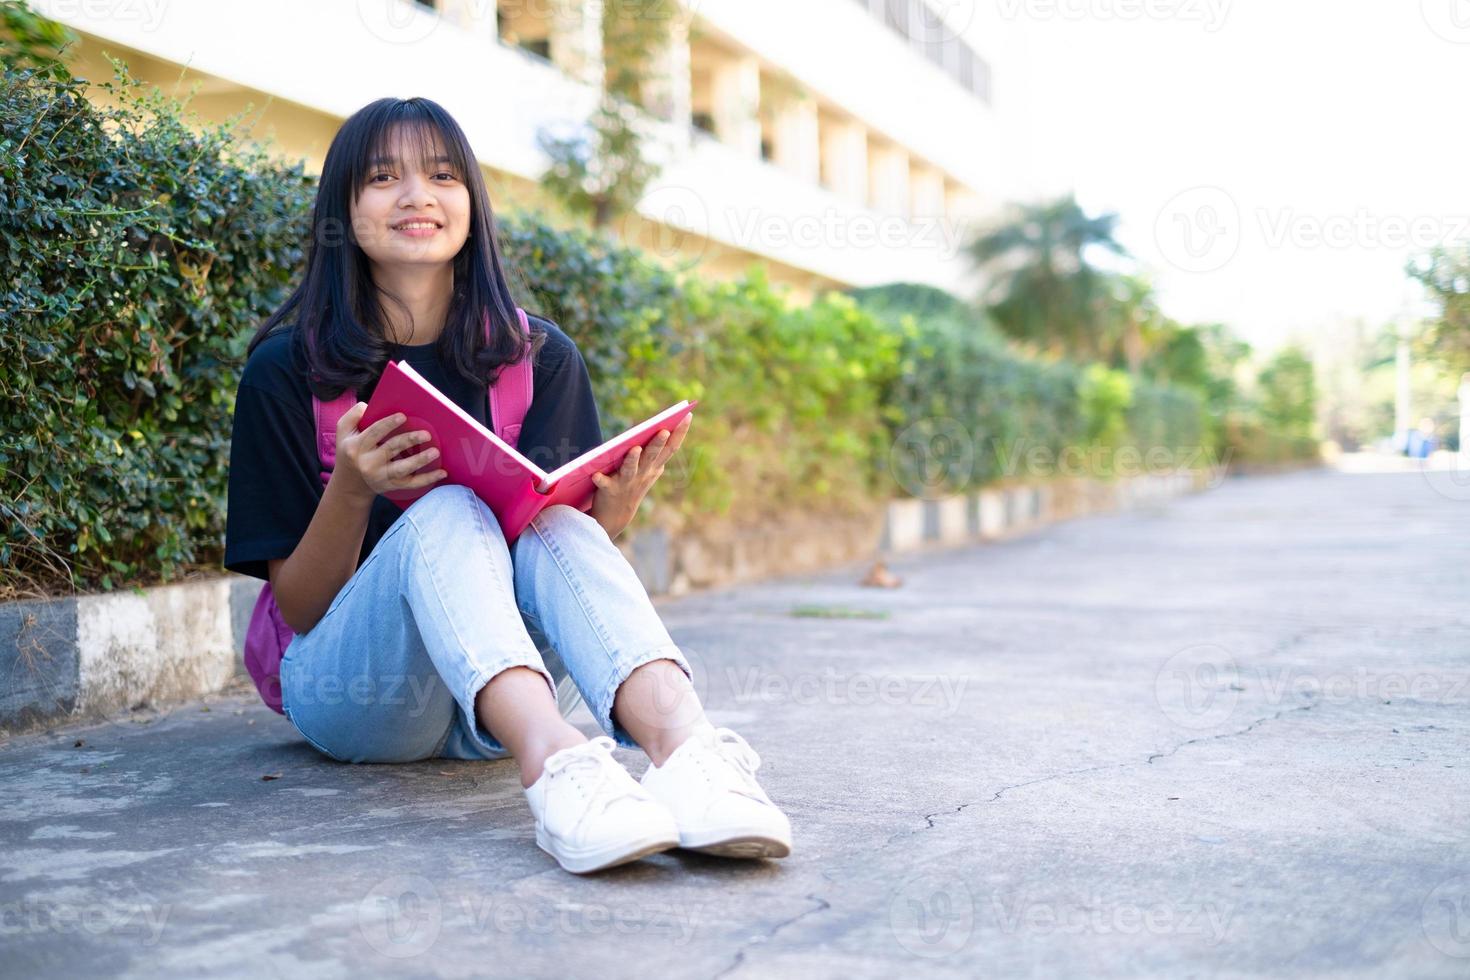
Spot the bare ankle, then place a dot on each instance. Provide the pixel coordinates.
(661, 747)
(539, 748)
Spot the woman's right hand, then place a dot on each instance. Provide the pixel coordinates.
(365, 460)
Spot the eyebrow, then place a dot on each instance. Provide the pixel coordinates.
(390, 161)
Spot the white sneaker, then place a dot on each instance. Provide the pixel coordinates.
(708, 783)
(592, 814)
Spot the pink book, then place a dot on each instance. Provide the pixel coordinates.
(512, 486)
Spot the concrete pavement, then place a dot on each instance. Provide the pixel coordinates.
(1230, 736)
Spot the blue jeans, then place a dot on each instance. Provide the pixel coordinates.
(442, 605)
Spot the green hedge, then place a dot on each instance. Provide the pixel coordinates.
(796, 397)
(1169, 417)
(1249, 442)
(790, 396)
(620, 308)
(966, 409)
(137, 255)
(142, 249)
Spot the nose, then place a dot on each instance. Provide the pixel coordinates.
(417, 192)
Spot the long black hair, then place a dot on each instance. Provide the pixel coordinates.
(337, 310)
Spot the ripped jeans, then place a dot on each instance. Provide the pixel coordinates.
(442, 605)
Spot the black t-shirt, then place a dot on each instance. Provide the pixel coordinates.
(275, 474)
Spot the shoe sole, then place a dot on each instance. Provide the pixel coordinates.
(606, 857)
(737, 845)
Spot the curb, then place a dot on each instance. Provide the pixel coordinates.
(996, 513)
(80, 658)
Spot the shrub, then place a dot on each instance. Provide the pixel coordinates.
(789, 397)
(619, 307)
(967, 409)
(795, 393)
(1106, 396)
(138, 251)
(1169, 417)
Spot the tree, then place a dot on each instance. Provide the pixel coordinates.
(1179, 356)
(1044, 292)
(599, 171)
(1132, 323)
(1445, 273)
(1288, 390)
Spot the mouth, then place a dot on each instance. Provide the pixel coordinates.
(417, 225)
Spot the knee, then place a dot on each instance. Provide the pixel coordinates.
(558, 529)
(450, 508)
(449, 498)
(564, 515)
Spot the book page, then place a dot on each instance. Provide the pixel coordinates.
(630, 437)
(466, 416)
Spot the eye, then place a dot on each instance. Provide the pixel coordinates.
(374, 177)
(446, 173)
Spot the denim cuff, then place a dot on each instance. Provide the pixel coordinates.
(470, 722)
(620, 671)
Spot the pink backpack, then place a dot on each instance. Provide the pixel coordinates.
(268, 635)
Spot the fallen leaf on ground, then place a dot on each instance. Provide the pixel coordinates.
(880, 577)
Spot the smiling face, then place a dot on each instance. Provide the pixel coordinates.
(412, 207)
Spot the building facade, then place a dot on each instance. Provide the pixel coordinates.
(839, 142)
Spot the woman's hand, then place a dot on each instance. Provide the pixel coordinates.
(367, 465)
(619, 493)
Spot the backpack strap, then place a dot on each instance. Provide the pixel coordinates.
(510, 399)
(328, 414)
(511, 392)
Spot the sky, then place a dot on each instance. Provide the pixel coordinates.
(1273, 162)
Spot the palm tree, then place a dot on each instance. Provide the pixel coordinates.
(1042, 290)
(1134, 326)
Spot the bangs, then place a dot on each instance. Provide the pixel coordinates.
(413, 131)
(339, 308)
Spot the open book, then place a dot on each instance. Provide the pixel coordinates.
(512, 486)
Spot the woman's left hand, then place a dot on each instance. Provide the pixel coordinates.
(619, 493)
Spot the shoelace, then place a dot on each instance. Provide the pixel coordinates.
(595, 760)
(734, 749)
(733, 746)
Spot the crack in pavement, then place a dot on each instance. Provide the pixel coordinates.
(821, 906)
(1248, 728)
(929, 817)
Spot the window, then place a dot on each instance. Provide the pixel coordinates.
(925, 31)
(539, 46)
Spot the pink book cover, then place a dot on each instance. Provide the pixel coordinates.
(512, 486)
